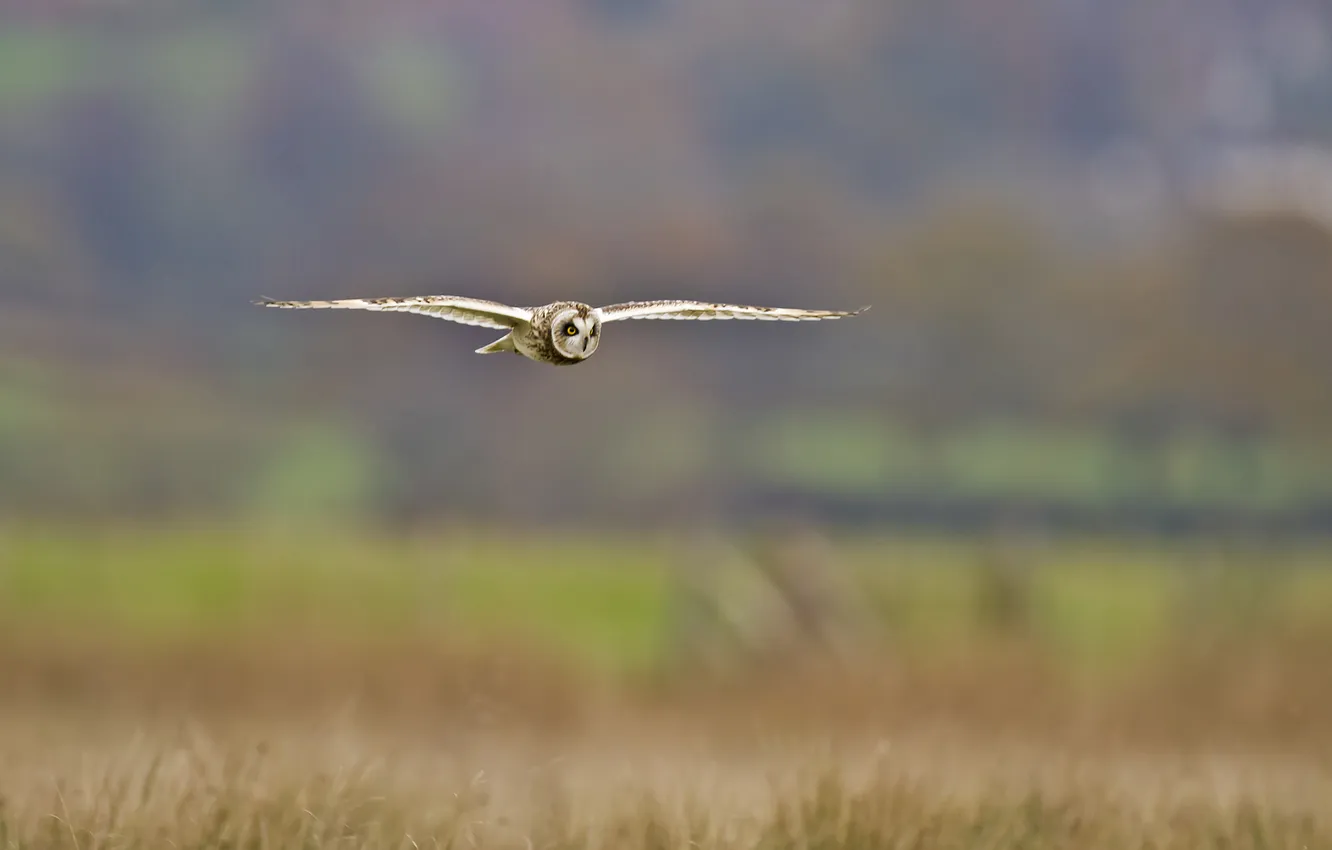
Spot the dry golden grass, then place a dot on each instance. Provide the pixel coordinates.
(321, 745)
(340, 784)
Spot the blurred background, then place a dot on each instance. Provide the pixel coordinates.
(1087, 418)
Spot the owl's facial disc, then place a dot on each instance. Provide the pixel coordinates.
(575, 334)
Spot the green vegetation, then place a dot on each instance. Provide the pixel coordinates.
(607, 602)
(199, 71)
(66, 450)
(1084, 467)
(603, 604)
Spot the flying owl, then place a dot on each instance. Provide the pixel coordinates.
(564, 333)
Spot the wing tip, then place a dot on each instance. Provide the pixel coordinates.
(838, 314)
(846, 314)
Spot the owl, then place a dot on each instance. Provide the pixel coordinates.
(563, 333)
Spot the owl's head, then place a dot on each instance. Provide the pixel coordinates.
(576, 332)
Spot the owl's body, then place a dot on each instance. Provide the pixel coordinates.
(562, 333)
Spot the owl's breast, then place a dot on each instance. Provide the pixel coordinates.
(535, 344)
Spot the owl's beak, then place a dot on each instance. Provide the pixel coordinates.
(587, 340)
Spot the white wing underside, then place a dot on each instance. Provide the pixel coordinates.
(466, 311)
(701, 311)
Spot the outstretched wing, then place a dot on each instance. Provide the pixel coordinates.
(468, 311)
(703, 312)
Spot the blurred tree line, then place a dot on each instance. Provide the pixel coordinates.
(1054, 332)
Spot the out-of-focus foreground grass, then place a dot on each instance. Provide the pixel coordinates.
(334, 785)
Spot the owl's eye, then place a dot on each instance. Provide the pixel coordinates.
(570, 330)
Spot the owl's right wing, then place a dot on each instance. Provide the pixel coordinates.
(707, 311)
(467, 311)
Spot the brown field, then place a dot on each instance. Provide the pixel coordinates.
(290, 743)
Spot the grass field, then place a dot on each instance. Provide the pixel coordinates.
(197, 688)
(606, 604)
(338, 785)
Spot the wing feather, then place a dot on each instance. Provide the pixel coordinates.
(467, 311)
(703, 311)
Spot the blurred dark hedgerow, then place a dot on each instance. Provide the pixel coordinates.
(1115, 359)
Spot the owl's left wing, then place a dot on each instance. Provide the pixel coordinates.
(703, 311)
(467, 311)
